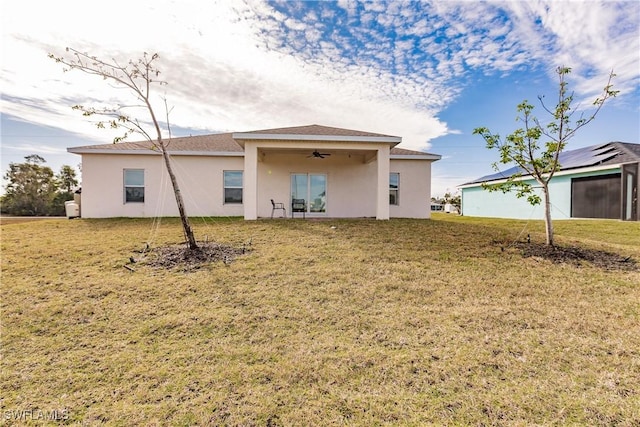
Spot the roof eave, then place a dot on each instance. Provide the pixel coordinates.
(86, 150)
(558, 173)
(240, 137)
(425, 156)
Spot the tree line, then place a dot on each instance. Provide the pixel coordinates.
(33, 189)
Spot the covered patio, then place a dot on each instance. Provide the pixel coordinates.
(348, 176)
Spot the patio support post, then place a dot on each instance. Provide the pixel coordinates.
(250, 192)
(382, 199)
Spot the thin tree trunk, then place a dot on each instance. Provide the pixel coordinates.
(547, 215)
(186, 226)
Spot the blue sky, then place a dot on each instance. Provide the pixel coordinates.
(429, 72)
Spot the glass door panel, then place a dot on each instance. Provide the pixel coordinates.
(312, 188)
(299, 186)
(317, 193)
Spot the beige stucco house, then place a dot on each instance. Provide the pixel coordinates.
(340, 173)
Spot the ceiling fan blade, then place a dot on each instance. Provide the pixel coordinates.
(318, 154)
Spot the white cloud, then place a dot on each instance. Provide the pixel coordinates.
(250, 65)
(37, 149)
(591, 37)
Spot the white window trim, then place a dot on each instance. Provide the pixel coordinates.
(308, 202)
(224, 188)
(397, 190)
(125, 186)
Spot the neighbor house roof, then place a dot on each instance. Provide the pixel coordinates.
(611, 153)
(226, 143)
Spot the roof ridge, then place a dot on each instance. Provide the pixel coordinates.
(623, 147)
(310, 129)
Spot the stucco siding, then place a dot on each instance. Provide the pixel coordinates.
(200, 179)
(350, 184)
(351, 174)
(414, 198)
(479, 202)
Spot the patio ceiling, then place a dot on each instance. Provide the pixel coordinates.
(367, 155)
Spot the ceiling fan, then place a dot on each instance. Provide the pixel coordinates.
(319, 155)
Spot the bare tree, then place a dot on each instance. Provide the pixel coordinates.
(138, 77)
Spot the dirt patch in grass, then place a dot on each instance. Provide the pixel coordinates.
(181, 257)
(577, 256)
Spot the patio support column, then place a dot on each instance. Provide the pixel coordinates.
(250, 191)
(382, 199)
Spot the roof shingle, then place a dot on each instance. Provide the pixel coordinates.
(218, 142)
(315, 130)
(225, 143)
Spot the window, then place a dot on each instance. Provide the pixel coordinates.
(134, 185)
(394, 184)
(233, 186)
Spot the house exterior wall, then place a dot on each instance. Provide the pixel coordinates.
(200, 179)
(479, 202)
(351, 185)
(351, 171)
(414, 198)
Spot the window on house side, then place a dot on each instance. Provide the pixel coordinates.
(233, 187)
(134, 185)
(394, 185)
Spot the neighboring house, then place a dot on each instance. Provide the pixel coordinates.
(599, 181)
(449, 208)
(340, 173)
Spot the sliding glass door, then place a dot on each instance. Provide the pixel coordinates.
(312, 188)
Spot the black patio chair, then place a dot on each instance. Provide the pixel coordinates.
(278, 206)
(298, 205)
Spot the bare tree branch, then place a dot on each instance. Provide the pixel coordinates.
(138, 77)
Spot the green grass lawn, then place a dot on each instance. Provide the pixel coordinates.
(335, 322)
